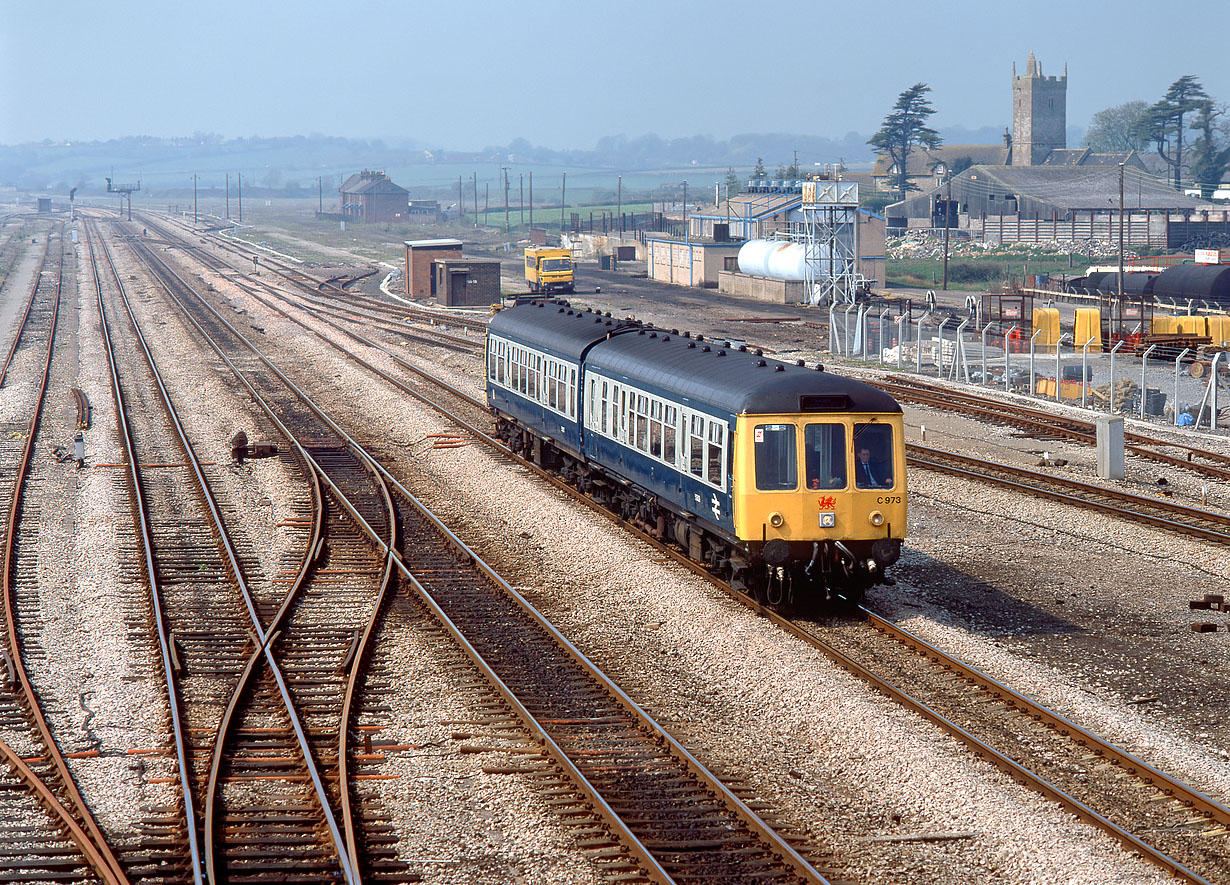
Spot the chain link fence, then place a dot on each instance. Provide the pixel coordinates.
(1176, 386)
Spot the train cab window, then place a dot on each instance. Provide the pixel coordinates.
(873, 456)
(717, 445)
(696, 446)
(776, 455)
(824, 456)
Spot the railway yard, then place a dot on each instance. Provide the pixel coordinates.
(279, 607)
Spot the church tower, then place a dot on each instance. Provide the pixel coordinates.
(1039, 114)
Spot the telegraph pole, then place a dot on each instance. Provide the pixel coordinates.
(228, 195)
(521, 198)
(194, 200)
(619, 203)
(239, 187)
(1121, 234)
(320, 194)
(476, 199)
(947, 211)
(460, 204)
(563, 193)
(506, 226)
(531, 199)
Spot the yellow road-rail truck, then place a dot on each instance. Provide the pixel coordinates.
(548, 270)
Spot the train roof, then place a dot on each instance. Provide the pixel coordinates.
(1208, 281)
(740, 382)
(691, 368)
(554, 327)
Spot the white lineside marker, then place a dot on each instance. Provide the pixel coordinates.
(924, 432)
(1046, 456)
(1204, 496)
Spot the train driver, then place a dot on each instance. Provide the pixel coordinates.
(868, 474)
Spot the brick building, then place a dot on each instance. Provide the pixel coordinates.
(419, 256)
(371, 196)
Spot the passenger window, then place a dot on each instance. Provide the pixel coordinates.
(824, 456)
(572, 393)
(873, 456)
(776, 456)
(696, 447)
(668, 438)
(717, 435)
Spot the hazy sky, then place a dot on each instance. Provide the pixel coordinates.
(462, 74)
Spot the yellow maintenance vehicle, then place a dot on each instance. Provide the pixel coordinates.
(548, 269)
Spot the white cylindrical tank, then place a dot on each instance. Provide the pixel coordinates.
(777, 259)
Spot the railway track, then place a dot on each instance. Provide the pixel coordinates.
(659, 811)
(49, 817)
(275, 715)
(1049, 425)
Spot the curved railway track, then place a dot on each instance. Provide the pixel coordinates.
(65, 841)
(660, 808)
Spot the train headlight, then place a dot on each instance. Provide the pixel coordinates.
(776, 520)
(876, 518)
(828, 520)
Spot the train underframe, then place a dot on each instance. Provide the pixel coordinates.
(789, 577)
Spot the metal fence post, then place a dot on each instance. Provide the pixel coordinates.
(939, 348)
(1085, 370)
(833, 343)
(1213, 384)
(846, 330)
(918, 344)
(880, 337)
(1178, 362)
(1032, 340)
(1144, 367)
(985, 330)
(1058, 373)
(1111, 399)
(864, 325)
(900, 340)
(958, 350)
(1007, 339)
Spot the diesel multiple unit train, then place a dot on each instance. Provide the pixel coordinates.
(787, 481)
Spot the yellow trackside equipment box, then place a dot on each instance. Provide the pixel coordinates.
(1089, 329)
(1046, 320)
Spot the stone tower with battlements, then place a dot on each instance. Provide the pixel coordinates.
(1039, 114)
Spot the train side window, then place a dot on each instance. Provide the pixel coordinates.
(655, 429)
(717, 439)
(696, 446)
(572, 393)
(499, 363)
(605, 405)
(669, 430)
(776, 456)
(824, 456)
(642, 423)
(552, 386)
(873, 456)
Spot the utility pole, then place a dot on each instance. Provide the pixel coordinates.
(521, 198)
(476, 199)
(563, 193)
(506, 226)
(947, 212)
(460, 210)
(619, 203)
(1121, 237)
(686, 232)
(239, 187)
(486, 203)
(194, 200)
(531, 199)
(228, 195)
(320, 194)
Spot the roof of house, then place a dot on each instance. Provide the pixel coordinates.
(922, 161)
(368, 182)
(1068, 188)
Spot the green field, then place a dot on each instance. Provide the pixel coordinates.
(980, 274)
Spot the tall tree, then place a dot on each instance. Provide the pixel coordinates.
(1118, 128)
(758, 172)
(904, 129)
(1166, 122)
(733, 184)
(1211, 149)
